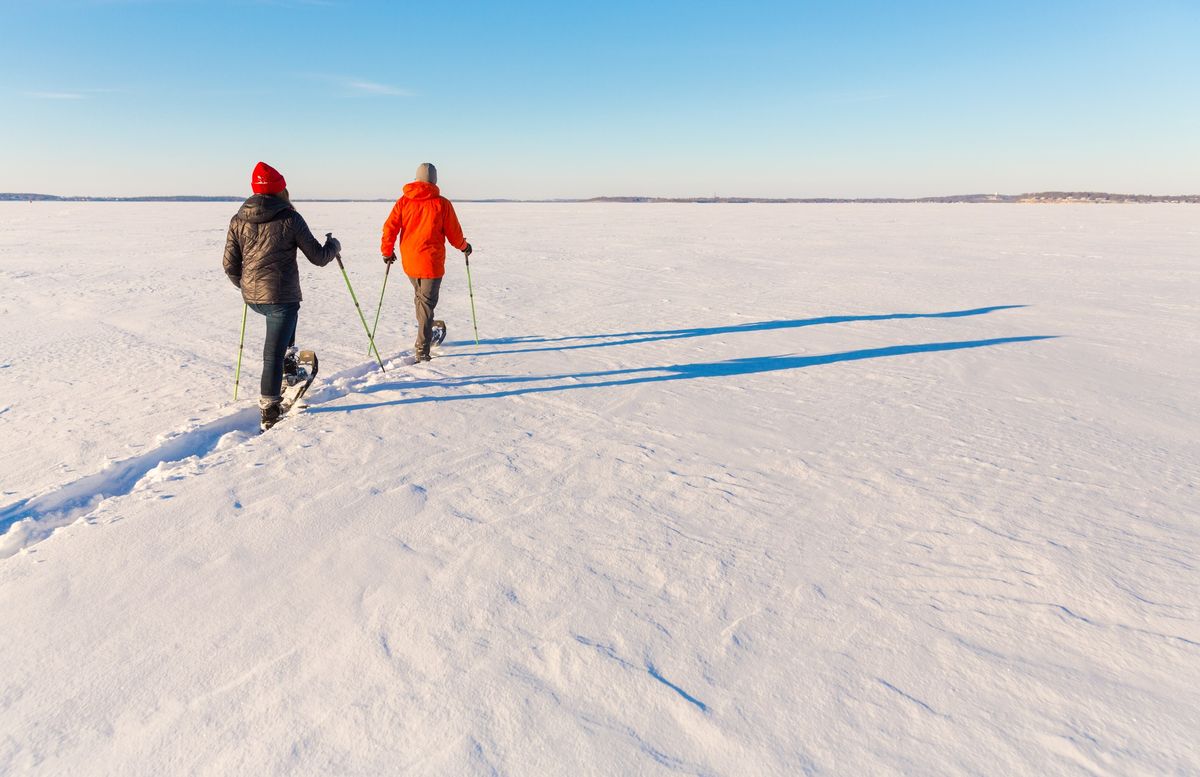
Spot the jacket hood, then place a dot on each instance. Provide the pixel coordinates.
(419, 190)
(261, 208)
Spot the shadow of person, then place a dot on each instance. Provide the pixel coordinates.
(672, 372)
(649, 336)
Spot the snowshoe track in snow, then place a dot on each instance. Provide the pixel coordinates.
(33, 519)
(36, 518)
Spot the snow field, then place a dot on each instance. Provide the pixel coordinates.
(723, 490)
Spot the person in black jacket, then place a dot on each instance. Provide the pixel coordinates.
(260, 259)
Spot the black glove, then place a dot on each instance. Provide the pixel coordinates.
(467, 250)
(334, 243)
(389, 258)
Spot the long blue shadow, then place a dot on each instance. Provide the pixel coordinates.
(653, 672)
(635, 375)
(649, 336)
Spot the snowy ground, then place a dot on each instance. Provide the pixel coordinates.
(723, 490)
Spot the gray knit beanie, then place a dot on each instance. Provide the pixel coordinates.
(427, 172)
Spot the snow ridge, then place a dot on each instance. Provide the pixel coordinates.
(30, 520)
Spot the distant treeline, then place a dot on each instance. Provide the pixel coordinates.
(1050, 197)
(56, 198)
(172, 198)
(953, 198)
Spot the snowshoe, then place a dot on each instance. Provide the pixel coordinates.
(290, 364)
(306, 371)
(439, 332)
(294, 386)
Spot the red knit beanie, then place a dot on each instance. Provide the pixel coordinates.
(266, 180)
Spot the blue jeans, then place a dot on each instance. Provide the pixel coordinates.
(281, 334)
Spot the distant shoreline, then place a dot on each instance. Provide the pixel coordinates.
(1029, 198)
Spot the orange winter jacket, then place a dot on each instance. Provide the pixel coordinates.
(424, 220)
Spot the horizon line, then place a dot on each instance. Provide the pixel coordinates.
(1058, 195)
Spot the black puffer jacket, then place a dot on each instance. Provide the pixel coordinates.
(260, 250)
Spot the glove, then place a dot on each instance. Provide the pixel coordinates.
(467, 250)
(334, 243)
(389, 258)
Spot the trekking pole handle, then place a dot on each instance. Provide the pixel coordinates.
(328, 236)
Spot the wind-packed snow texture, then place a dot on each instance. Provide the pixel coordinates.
(722, 490)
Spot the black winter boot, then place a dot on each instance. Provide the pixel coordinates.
(270, 412)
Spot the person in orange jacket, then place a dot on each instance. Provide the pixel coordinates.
(424, 220)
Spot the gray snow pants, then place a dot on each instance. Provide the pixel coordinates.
(425, 298)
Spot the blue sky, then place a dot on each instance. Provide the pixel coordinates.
(577, 99)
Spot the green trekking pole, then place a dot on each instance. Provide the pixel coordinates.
(237, 375)
(467, 259)
(375, 326)
(357, 307)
